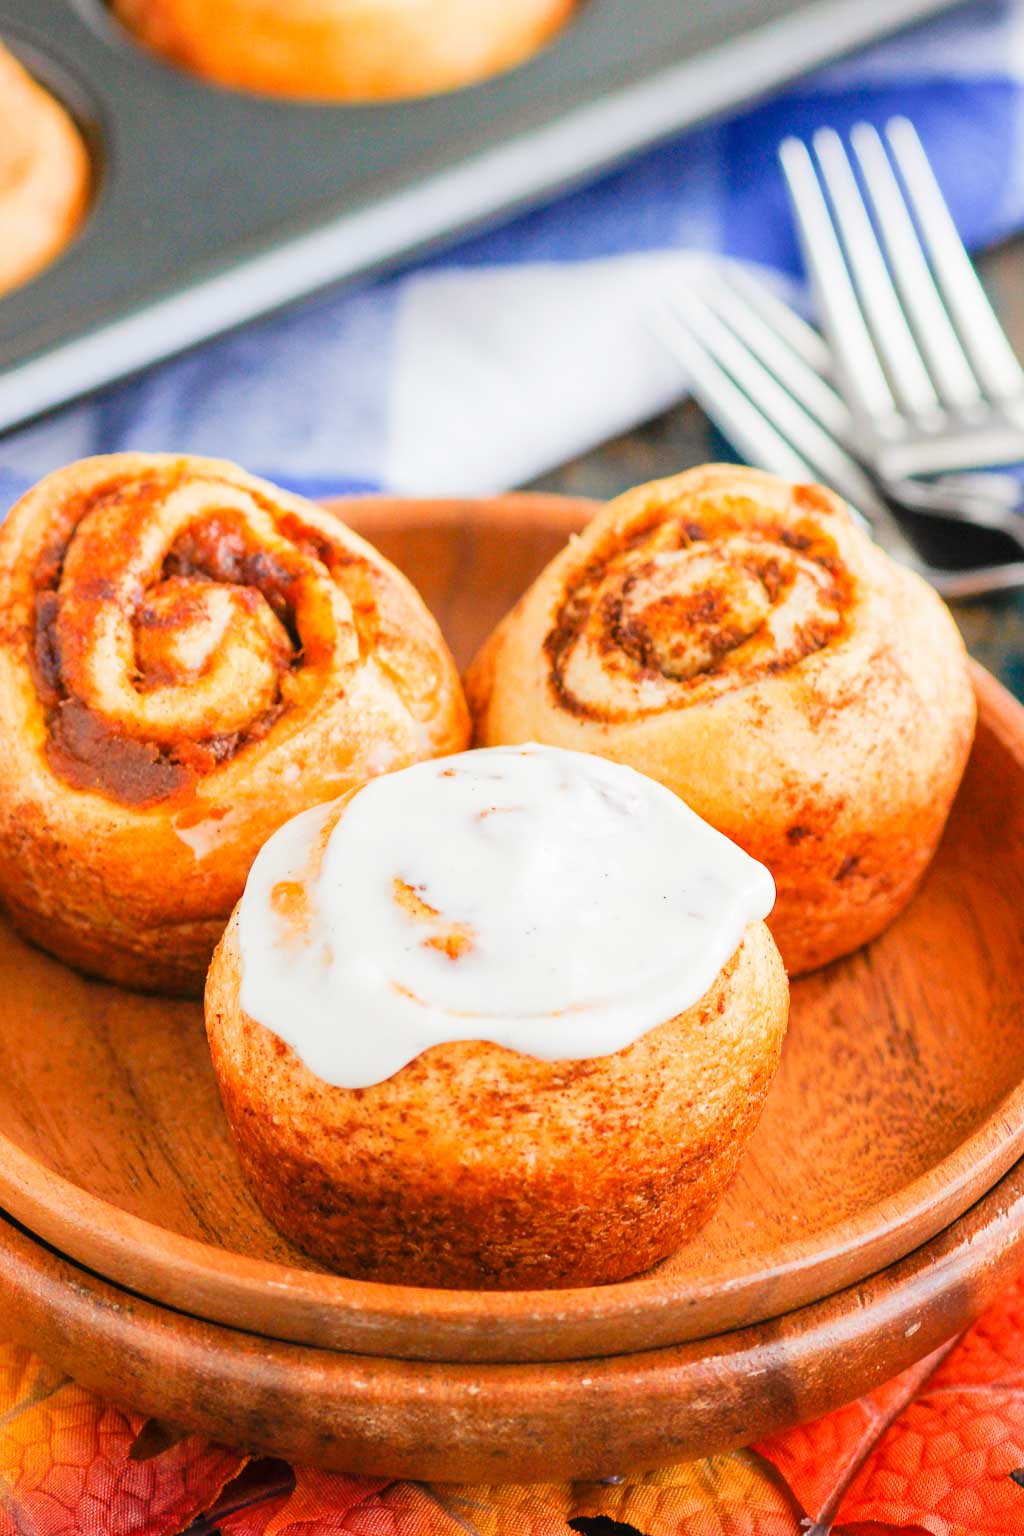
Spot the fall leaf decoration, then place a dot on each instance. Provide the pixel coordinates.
(67, 1468)
(820, 1460)
(939, 1450)
(950, 1456)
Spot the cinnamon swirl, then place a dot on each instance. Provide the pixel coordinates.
(188, 656)
(352, 50)
(44, 175)
(503, 1020)
(742, 641)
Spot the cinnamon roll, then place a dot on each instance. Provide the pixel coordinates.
(741, 640)
(188, 656)
(44, 175)
(506, 1020)
(352, 50)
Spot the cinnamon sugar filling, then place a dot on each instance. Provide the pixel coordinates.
(682, 608)
(215, 586)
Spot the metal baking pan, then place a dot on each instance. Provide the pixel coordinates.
(213, 207)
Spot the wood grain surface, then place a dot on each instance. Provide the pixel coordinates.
(898, 1104)
(506, 1423)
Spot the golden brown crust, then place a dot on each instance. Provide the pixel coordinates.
(740, 640)
(44, 175)
(477, 1167)
(355, 50)
(188, 657)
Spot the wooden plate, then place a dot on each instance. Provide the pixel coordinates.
(899, 1101)
(506, 1423)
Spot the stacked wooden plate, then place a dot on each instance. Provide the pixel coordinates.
(880, 1208)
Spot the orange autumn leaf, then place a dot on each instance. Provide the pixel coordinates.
(819, 1460)
(729, 1495)
(733, 1495)
(418, 1509)
(945, 1464)
(403, 1509)
(251, 1520)
(324, 1504)
(273, 1500)
(321, 1502)
(945, 1469)
(66, 1464)
(486, 1509)
(247, 1506)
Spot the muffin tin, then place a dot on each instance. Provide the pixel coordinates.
(213, 207)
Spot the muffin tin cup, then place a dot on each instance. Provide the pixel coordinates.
(213, 206)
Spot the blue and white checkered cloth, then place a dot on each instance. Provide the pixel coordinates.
(503, 357)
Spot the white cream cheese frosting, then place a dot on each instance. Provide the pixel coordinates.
(547, 901)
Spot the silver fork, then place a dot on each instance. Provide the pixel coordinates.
(756, 368)
(776, 332)
(926, 370)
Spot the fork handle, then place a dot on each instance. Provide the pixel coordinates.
(962, 503)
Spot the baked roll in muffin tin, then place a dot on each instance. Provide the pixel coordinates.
(214, 206)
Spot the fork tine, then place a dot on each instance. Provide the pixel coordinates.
(790, 327)
(842, 320)
(984, 339)
(748, 428)
(947, 360)
(892, 336)
(736, 305)
(820, 401)
(816, 447)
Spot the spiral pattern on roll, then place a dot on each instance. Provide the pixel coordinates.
(687, 600)
(179, 617)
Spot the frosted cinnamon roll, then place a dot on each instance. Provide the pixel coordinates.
(44, 175)
(503, 1020)
(741, 640)
(188, 656)
(351, 50)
